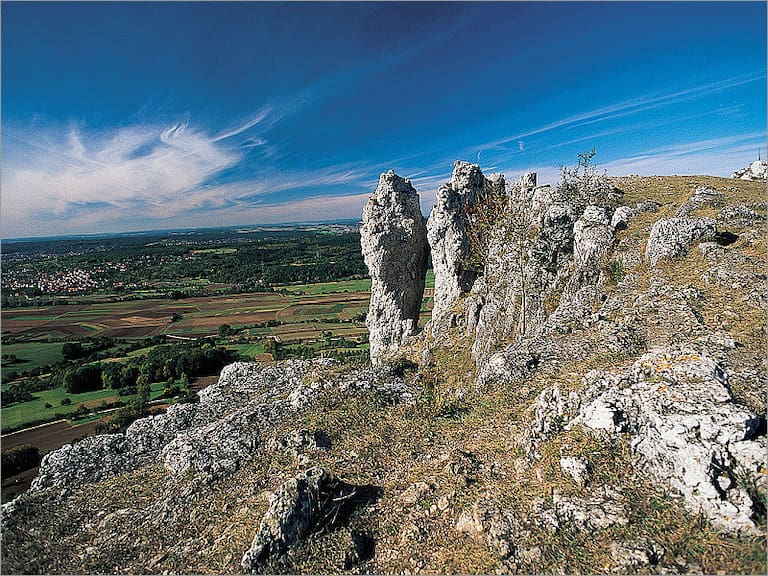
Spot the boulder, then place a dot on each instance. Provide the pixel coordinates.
(703, 196)
(671, 237)
(592, 238)
(293, 511)
(758, 170)
(394, 243)
(313, 499)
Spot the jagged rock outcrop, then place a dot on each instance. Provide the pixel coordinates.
(210, 437)
(394, 243)
(529, 256)
(447, 233)
(215, 436)
(671, 237)
(758, 170)
(293, 510)
(686, 431)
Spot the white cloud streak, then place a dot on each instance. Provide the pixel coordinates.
(714, 157)
(628, 107)
(77, 180)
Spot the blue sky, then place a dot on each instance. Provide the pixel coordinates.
(140, 115)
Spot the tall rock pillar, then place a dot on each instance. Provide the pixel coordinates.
(393, 236)
(449, 240)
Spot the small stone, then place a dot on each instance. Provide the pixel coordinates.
(466, 524)
(578, 469)
(443, 503)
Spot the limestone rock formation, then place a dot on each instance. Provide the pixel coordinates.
(671, 237)
(394, 243)
(592, 237)
(702, 196)
(213, 437)
(210, 437)
(449, 240)
(528, 255)
(758, 170)
(686, 431)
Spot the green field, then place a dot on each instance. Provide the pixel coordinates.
(31, 355)
(312, 316)
(216, 251)
(18, 415)
(362, 285)
(247, 350)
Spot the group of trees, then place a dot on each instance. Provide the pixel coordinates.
(160, 363)
(179, 361)
(252, 262)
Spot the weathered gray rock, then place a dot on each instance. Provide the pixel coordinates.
(528, 257)
(295, 442)
(213, 450)
(602, 509)
(394, 243)
(292, 512)
(90, 460)
(740, 215)
(703, 196)
(592, 238)
(578, 469)
(311, 499)
(216, 436)
(299, 443)
(671, 237)
(685, 430)
(635, 553)
(486, 520)
(449, 240)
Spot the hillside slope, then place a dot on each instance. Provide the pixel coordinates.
(589, 398)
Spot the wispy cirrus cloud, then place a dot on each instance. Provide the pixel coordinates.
(626, 108)
(714, 156)
(76, 179)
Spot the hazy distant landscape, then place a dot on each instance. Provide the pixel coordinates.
(258, 294)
